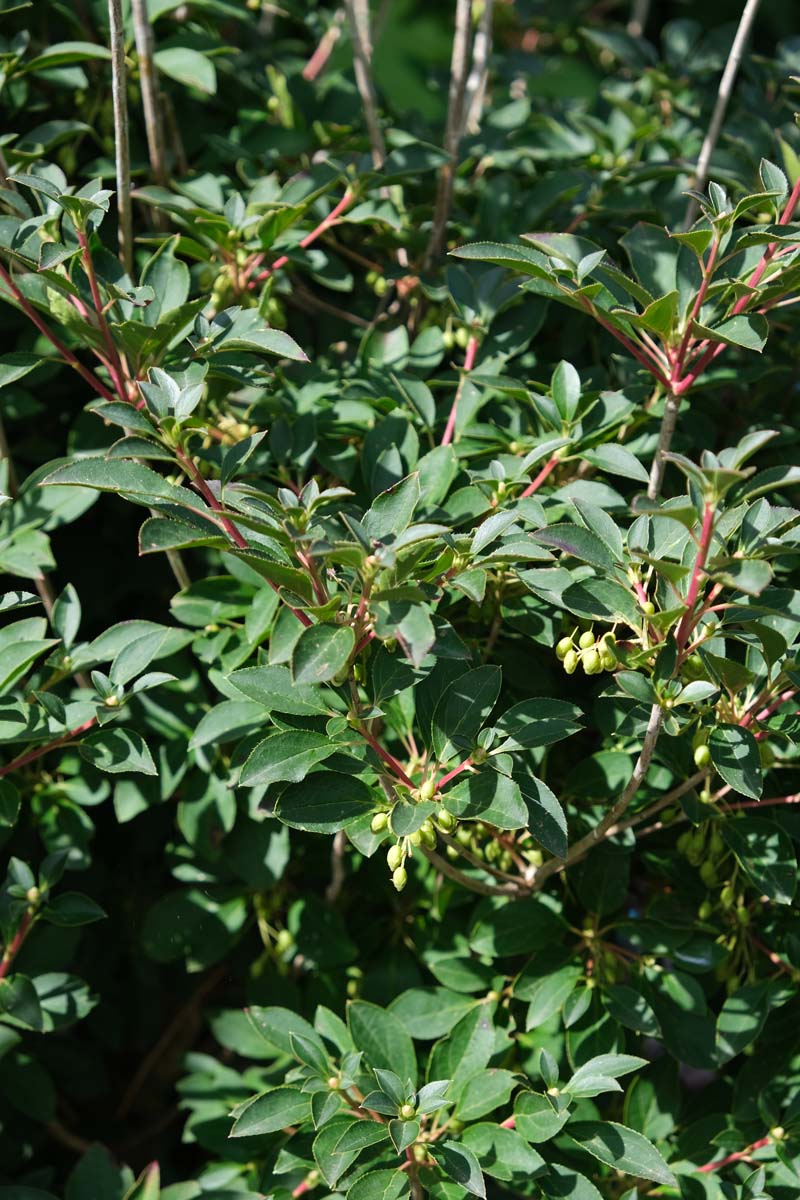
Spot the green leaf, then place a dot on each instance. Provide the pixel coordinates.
(766, 855)
(272, 1111)
(616, 460)
(483, 1092)
(332, 1161)
(226, 721)
(61, 54)
(741, 1020)
(537, 1119)
(749, 330)
(383, 1039)
(430, 1012)
(537, 722)
(566, 389)
(115, 750)
(546, 820)
(122, 477)
(392, 510)
(459, 1163)
(462, 710)
(324, 802)
(623, 1149)
(734, 753)
(19, 1002)
(403, 1134)
(188, 67)
(545, 988)
(285, 756)
(272, 687)
(380, 1185)
(503, 1153)
(578, 543)
(72, 908)
(321, 652)
(277, 1025)
(17, 365)
(489, 796)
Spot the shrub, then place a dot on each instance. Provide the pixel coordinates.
(413, 816)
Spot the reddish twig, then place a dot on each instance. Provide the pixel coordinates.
(319, 58)
(687, 621)
(536, 483)
(708, 270)
(452, 774)
(32, 755)
(232, 531)
(114, 363)
(391, 762)
(345, 202)
(764, 713)
(14, 946)
(737, 1156)
(741, 304)
(44, 329)
(469, 363)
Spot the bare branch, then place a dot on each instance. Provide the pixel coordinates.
(121, 141)
(358, 16)
(640, 11)
(668, 422)
(603, 828)
(723, 96)
(337, 868)
(479, 74)
(143, 32)
(453, 129)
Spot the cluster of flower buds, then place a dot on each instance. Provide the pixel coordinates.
(425, 836)
(594, 655)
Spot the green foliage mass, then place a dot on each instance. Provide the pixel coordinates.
(399, 621)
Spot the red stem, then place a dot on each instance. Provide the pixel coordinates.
(14, 946)
(706, 530)
(209, 497)
(769, 803)
(452, 774)
(114, 364)
(365, 641)
(469, 363)
(322, 53)
(67, 355)
(388, 758)
(509, 1123)
(735, 1157)
(32, 755)
(536, 483)
(708, 269)
(643, 356)
(229, 527)
(741, 304)
(301, 1188)
(345, 202)
(770, 708)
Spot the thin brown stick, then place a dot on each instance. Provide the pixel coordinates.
(358, 16)
(121, 139)
(453, 129)
(474, 885)
(479, 73)
(175, 1027)
(720, 107)
(148, 79)
(615, 813)
(334, 888)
